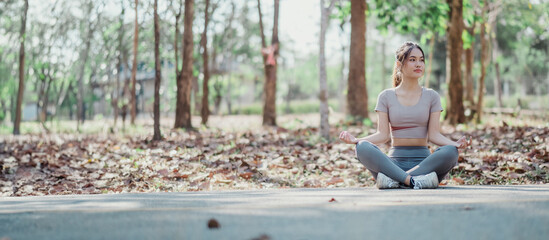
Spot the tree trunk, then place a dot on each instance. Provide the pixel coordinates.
(62, 93)
(21, 88)
(484, 55)
(157, 135)
(196, 95)
(80, 114)
(343, 80)
(205, 106)
(384, 80)
(497, 79)
(323, 96)
(133, 103)
(430, 61)
(229, 94)
(116, 96)
(469, 60)
(175, 44)
(125, 91)
(183, 107)
(455, 111)
(270, 55)
(45, 100)
(288, 97)
(357, 94)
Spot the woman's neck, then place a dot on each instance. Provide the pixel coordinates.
(409, 84)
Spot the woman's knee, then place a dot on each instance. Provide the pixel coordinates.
(450, 153)
(363, 147)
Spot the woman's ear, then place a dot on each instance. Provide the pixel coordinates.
(399, 64)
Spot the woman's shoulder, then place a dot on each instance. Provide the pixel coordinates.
(383, 95)
(386, 91)
(431, 92)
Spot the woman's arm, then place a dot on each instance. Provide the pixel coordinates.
(437, 138)
(381, 136)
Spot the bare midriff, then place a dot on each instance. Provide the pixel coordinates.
(409, 142)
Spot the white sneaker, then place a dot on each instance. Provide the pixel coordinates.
(426, 181)
(384, 182)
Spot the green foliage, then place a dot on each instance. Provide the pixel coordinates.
(467, 39)
(343, 11)
(521, 28)
(412, 16)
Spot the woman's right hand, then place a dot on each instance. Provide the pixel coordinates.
(347, 138)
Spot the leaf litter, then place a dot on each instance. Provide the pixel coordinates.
(213, 159)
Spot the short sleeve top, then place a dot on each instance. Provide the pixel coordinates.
(409, 121)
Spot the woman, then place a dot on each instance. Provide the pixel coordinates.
(412, 113)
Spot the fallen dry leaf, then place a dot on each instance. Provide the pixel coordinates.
(213, 224)
(213, 159)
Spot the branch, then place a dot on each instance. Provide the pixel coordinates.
(263, 44)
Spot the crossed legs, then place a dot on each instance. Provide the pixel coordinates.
(441, 162)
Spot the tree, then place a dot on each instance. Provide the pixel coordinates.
(205, 108)
(116, 91)
(84, 55)
(469, 46)
(270, 55)
(133, 104)
(183, 103)
(357, 95)
(21, 88)
(157, 135)
(495, 58)
(483, 62)
(324, 111)
(343, 14)
(455, 111)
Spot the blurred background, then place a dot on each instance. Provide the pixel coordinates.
(80, 62)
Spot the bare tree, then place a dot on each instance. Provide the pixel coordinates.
(455, 110)
(483, 62)
(270, 55)
(205, 110)
(84, 55)
(184, 83)
(497, 79)
(133, 104)
(469, 60)
(21, 88)
(324, 110)
(357, 95)
(157, 135)
(116, 92)
(489, 15)
(430, 61)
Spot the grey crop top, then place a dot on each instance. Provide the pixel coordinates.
(409, 121)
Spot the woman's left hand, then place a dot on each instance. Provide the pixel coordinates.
(463, 142)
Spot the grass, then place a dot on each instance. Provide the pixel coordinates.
(69, 126)
(297, 107)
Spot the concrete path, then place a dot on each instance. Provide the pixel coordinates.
(464, 212)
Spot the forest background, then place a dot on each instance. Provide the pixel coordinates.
(78, 73)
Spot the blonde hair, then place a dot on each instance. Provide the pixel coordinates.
(401, 56)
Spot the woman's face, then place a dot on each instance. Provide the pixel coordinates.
(414, 66)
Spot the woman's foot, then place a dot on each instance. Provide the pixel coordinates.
(427, 181)
(384, 182)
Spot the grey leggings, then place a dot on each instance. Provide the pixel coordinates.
(402, 161)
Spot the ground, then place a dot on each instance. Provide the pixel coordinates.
(236, 152)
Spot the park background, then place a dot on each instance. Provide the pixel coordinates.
(78, 81)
